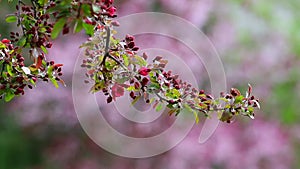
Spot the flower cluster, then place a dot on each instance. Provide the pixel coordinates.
(114, 66)
(40, 23)
(15, 76)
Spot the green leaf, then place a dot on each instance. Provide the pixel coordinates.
(152, 100)
(154, 86)
(50, 71)
(126, 60)
(251, 109)
(32, 82)
(54, 82)
(22, 41)
(9, 96)
(98, 86)
(239, 99)
(9, 70)
(135, 100)
(2, 45)
(44, 49)
(131, 88)
(173, 93)
(196, 117)
(159, 107)
(57, 28)
(140, 60)
(89, 29)
(96, 8)
(86, 9)
(172, 111)
(78, 26)
(11, 18)
(42, 2)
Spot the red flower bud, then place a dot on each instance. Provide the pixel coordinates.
(111, 11)
(109, 99)
(201, 92)
(145, 80)
(136, 85)
(49, 45)
(144, 71)
(132, 95)
(235, 92)
(131, 44)
(129, 38)
(5, 41)
(135, 48)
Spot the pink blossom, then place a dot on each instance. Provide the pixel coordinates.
(117, 91)
(111, 11)
(144, 71)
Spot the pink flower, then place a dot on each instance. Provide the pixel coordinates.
(111, 11)
(5, 41)
(144, 71)
(117, 91)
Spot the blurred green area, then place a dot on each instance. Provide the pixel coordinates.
(6, 9)
(17, 149)
(264, 20)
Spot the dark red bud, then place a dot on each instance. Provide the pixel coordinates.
(235, 92)
(145, 80)
(131, 44)
(136, 85)
(109, 99)
(49, 45)
(129, 38)
(21, 59)
(132, 95)
(65, 30)
(201, 92)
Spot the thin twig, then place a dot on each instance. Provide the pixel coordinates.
(2, 70)
(79, 10)
(106, 50)
(19, 16)
(161, 98)
(34, 8)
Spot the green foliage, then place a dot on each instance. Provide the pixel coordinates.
(78, 26)
(58, 27)
(10, 19)
(89, 29)
(18, 151)
(286, 101)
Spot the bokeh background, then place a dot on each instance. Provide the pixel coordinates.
(258, 42)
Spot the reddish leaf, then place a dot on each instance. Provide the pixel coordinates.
(90, 72)
(39, 62)
(117, 91)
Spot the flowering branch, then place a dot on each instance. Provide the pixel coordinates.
(113, 66)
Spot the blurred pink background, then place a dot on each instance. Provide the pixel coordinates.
(258, 43)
